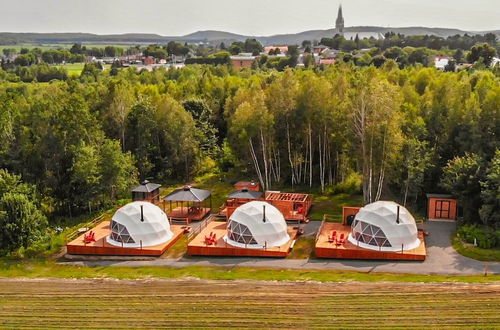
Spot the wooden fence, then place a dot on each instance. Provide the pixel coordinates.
(91, 224)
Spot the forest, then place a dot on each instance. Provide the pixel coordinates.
(75, 145)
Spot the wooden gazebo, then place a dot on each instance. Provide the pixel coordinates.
(188, 204)
(147, 191)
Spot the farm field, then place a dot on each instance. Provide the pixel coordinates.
(152, 303)
(75, 69)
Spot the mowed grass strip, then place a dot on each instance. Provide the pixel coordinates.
(34, 269)
(193, 303)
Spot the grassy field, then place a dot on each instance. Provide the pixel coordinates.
(49, 303)
(36, 268)
(474, 252)
(74, 69)
(332, 206)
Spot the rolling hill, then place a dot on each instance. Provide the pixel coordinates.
(11, 38)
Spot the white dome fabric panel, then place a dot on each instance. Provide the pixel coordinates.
(246, 225)
(376, 227)
(127, 227)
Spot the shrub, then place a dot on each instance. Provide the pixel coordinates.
(485, 237)
(351, 185)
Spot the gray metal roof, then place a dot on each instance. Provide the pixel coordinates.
(246, 194)
(439, 196)
(146, 186)
(188, 194)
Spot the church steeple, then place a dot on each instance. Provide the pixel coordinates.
(339, 23)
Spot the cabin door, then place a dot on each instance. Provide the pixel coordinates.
(442, 209)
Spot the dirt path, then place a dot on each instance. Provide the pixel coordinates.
(106, 303)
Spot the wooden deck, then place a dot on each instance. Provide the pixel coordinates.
(325, 249)
(101, 247)
(188, 214)
(198, 247)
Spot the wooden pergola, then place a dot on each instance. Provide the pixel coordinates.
(188, 204)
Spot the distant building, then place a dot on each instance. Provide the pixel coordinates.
(495, 61)
(339, 23)
(327, 61)
(283, 49)
(150, 60)
(319, 49)
(242, 62)
(340, 30)
(440, 62)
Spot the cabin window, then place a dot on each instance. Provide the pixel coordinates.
(119, 233)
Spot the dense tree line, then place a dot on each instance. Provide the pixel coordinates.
(392, 39)
(82, 143)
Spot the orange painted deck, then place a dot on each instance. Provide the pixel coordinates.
(101, 247)
(198, 247)
(325, 249)
(188, 213)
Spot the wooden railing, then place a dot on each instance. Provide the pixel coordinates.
(192, 234)
(89, 225)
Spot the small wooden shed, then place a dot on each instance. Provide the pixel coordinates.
(441, 207)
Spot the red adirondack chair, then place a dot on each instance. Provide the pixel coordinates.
(341, 240)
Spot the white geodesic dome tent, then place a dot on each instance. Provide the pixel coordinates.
(257, 225)
(384, 226)
(139, 224)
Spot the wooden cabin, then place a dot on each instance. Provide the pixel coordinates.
(441, 207)
(250, 185)
(147, 191)
(294, 206)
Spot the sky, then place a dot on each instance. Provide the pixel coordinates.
(247, 17)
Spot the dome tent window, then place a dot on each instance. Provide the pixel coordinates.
(240, 233)
(120, 233)
(369, 234)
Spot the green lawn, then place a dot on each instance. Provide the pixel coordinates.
(332, 206)
(33, 269)
(475, 252)
(303, 248)
(74, 69)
